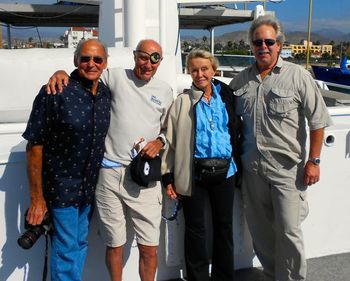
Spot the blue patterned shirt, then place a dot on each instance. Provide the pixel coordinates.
(212, 136)
(71, 127)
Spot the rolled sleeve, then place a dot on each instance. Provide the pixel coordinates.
(315, 109)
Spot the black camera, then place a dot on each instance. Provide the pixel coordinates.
(33, 233)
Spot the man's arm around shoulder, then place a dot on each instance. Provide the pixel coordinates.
(59, 78)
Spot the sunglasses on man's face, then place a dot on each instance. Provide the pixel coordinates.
(268, 42)
(153, 58)
(96, 59)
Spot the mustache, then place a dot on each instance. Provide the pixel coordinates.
(261, 52)
(145, 68)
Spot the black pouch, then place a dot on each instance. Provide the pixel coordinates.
(211, 170)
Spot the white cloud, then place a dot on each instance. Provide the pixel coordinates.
(341, 24)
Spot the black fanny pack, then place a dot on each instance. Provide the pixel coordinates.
(211, 170)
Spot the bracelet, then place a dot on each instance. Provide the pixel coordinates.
(162, 141)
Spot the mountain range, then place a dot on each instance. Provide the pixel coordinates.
(324, 36)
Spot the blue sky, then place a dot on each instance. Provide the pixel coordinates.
(325, 14)
(293, 14)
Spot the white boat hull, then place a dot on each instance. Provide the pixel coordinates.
(326, 229)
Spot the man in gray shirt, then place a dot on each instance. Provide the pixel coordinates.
(273, 98)
(139, 108)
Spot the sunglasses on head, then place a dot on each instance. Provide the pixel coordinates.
(268, 42)
(96, 59)
(154, 57)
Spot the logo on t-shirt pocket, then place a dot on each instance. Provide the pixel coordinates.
(156, 100)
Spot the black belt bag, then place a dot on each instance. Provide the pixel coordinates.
(211, 170)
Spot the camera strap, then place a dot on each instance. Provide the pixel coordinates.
(46, 256)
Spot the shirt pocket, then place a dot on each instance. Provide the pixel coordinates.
(243, 100)
(281, 102)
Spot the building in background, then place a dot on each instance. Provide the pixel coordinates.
(286, 52)
(316, 50)
(75, 34)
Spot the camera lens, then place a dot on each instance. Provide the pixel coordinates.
(28, 239)
(33, 233)
(25, 242)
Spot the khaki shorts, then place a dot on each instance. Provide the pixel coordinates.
(118, 195)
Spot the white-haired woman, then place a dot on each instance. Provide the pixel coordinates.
(200, 164)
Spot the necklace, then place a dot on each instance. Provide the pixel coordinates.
(207, 98)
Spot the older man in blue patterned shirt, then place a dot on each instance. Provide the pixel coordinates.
(66, 136)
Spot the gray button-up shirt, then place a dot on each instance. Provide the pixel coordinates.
(273, 112)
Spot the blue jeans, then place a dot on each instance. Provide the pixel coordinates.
(69, 242)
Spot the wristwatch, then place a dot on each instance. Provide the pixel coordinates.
(315, 160)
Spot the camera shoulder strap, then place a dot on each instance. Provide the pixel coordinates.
(46, 256)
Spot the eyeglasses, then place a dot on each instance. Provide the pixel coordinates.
(177, 208)
(268, 42)
(154, 57)
(96, 59)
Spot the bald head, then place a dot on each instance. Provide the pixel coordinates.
(147, 57)
(149, 43)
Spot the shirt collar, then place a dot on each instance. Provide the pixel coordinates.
(85, 82)
(279, 63)
(216, 89)
(198, 93)
(277, 66)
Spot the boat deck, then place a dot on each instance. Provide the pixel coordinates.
(333, 98)
(329, 268)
